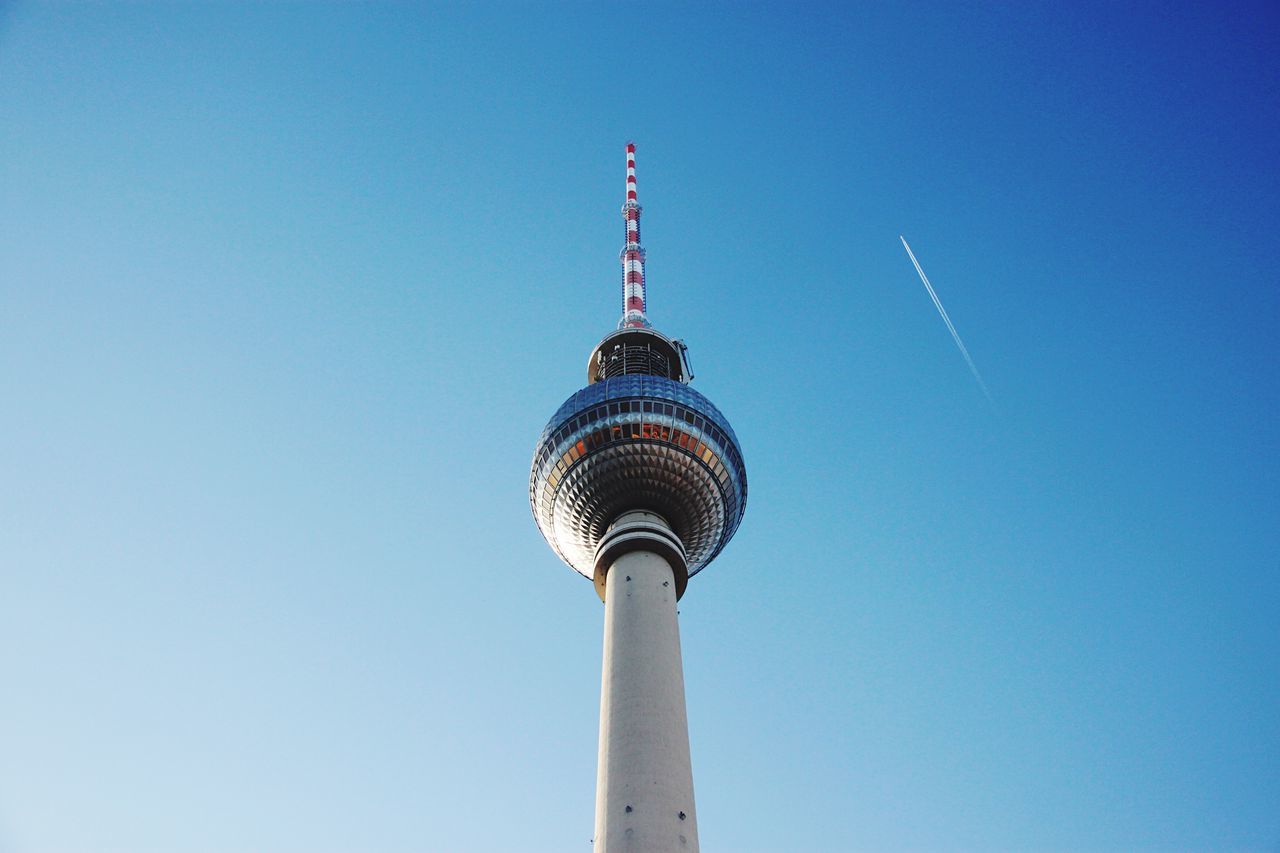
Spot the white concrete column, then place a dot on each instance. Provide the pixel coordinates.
(644, 782)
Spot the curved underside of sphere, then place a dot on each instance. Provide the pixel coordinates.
(637, 442)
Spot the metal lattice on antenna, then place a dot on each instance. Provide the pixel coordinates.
(634, 301)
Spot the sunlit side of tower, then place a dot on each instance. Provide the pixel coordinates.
(637, 483)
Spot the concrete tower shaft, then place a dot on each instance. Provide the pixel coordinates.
(644, 776)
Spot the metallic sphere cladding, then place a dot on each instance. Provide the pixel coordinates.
(637, 442)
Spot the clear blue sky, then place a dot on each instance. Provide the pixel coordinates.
(288, 291)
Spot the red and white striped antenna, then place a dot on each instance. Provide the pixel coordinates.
(634, 300)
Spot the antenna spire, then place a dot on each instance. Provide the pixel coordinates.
(634, 300)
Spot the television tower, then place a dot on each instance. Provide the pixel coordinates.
(637, 483)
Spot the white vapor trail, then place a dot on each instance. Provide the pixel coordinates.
(973, 368)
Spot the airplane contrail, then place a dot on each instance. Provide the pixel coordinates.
(973, 368)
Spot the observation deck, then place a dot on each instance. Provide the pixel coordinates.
(637, 437)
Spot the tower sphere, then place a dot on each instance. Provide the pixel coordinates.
(637, 438)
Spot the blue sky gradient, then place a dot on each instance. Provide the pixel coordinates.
(287, 293)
